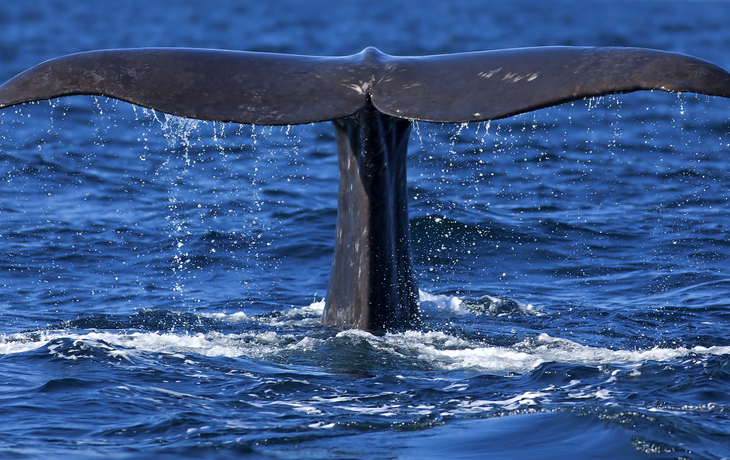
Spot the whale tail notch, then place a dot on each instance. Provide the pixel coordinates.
(370, 97)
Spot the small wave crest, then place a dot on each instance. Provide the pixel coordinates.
(485, 305)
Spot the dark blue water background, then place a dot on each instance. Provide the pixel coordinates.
(161, 279)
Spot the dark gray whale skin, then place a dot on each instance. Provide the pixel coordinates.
(372, 285)
(371, 99)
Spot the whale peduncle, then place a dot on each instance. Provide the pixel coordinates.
(372, 285)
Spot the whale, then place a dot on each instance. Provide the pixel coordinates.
(371, 99)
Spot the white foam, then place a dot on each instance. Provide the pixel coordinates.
(177, 345)
(453, 353)
(302, 316)
(434, 303)
(236, 317)
(531, 353)
(18, 343)
(429, 349)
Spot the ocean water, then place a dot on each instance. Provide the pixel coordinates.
(161, 279)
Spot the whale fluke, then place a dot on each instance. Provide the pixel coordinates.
(371, 98)
(274, 89)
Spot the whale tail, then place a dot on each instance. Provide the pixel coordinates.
(371, 98)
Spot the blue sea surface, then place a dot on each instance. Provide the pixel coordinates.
(162, 279)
